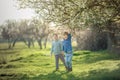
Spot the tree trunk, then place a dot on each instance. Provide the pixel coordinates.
(45, 43)
(32, 42)
(29, 43)
(113, 43)
(14, 42)
(40, 43)
(9, 44)
(113, 37)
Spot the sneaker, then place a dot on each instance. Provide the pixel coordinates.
(70, 69)
(56, 69)
(66, 68)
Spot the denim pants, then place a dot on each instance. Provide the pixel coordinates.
(68, 59)
(57, 57)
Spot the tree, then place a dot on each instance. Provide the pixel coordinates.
(41, 32)
(103, 13)
(27, 31)
(9, 32)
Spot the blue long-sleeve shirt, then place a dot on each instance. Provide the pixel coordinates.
(67, 46)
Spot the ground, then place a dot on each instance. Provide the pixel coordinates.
(22, 63)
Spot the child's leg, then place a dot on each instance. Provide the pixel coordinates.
(57, 61)
(70, 61)
(66, 61)
(62, 59)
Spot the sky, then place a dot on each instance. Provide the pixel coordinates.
(8, 10)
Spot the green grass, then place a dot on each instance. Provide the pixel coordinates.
(23, 63)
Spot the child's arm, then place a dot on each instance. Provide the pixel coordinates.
(69, 34)
(62, 48)
(69, 37)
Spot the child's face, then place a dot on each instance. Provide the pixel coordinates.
(65, 36)
(55, 37)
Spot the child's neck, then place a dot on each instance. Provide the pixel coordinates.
(56, 40)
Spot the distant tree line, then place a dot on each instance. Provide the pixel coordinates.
(27, 31)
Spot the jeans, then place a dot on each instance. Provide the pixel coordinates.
(68, 59)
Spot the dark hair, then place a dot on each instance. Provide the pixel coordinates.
(55, 34)
(65, 33)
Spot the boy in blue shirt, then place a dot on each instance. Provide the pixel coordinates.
(67, 48)
(57, 50)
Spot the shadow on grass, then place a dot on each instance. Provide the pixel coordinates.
(52, 76)
(8, 51)
(92, 57)
(17, 59)
(78, 53)
(4, 49)
(100, 74)
(103, 74)
(96, 58)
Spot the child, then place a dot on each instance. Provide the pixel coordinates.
(57, 49)
(67, 48)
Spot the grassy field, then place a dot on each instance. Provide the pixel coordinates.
(22, 63)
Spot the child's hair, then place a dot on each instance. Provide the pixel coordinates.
(65, 33)
(55, 34)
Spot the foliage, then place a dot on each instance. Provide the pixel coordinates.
(75, 12)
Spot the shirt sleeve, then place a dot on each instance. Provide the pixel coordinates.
(61, 45)
(69, 37)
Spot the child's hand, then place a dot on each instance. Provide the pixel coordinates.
(69, 31)
(62, 53)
